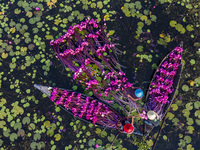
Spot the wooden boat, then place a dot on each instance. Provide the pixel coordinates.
(150, 123)
(105, 117)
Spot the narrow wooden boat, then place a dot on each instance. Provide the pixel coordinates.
(89, 109)
(162, 89)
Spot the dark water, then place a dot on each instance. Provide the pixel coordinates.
(28, 120)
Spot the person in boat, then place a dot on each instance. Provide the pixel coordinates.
(124, 126)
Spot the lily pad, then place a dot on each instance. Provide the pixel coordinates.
(99, 142)
(26, 120)
(174, 107)
(6, 133)
(37, 136)
(21, 133)
(33, 145)
(103, 134)
(190, 129)
(149, 142)
(164, 137)
(91, 142)
(13, 137)
(57, 137)
(197, 104)
(172, 23)
(1, 142)
(197, 80)
(50, 132)
(189, 106)
(18, 126)
(185, 88)
(170, 115)
(182, 143)
(187, 139)
(190, 121)
(186, 112)
(98, 131)
(40, 145)
(197, 113)
(31, 126)
(198, 93)
(2, 102)
(140, 48)
(197, 121)
(111, 138)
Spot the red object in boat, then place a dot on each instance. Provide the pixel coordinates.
(128, 128)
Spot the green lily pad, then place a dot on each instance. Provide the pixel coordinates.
(2, 102)
(192, 61)
(190, 129)
(198, 93)
(103, 134)
(189, 106)
(40, 145)
(26, 120)
(91, 142)
(197, 121)
(185, 88)
(111, 137)
(175, 121)
(197, 113)
(2, 124)
(172, 23)
(140, 48)
(138, 5)
(18, 126)
(186, 113)
(197, 80)
(149, 142)
(88, 133)
(13, 137)
(98, 131)
(1, 142)
(174, 107)
(17, 11)
(170, 115)
(99, 142)
(6, 133)
(37, 136)
(182, 143)
(33, 145)
(57, 137)
(187, 139)
(197, 104)
(164, 137)
(21, 133)
(189, 27)
(190, 121)
(31, 126)
(47, 124)
(189, 146)
(50, 132)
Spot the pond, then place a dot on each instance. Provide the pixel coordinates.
(144, 31)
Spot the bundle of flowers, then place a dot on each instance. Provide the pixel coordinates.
(85, 107)
(86, 50)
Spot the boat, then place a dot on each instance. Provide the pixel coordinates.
(159, 97)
